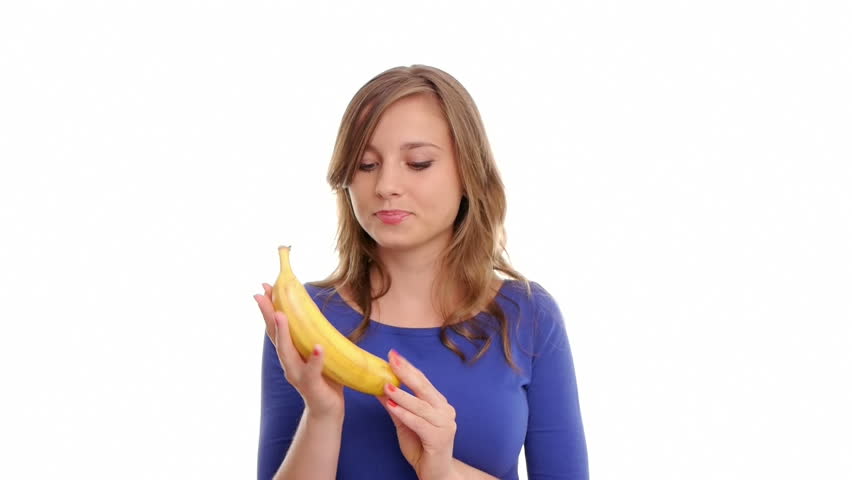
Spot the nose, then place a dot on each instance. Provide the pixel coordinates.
(389, 181)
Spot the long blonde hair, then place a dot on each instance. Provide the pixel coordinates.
(476, 252)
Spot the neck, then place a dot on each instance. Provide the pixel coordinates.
(409, 300)
(412, 272)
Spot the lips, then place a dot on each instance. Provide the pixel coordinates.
(392, 216)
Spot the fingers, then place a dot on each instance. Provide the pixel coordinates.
(267, 311)
(265, 302)
(426, 406)
(383, 399)
(416, 380)
(405, 402)
(313, 368)
(279, 332)
(403, 417)
(287, 354)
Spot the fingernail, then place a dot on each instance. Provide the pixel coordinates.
(391, 388)
(394, 357)
(316, 351)
(391, 403)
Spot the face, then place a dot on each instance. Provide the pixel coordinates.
(406, 189)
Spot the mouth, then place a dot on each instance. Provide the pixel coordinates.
(392, 217)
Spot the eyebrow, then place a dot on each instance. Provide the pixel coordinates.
(406, 146)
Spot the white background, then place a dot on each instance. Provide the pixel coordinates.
(678, 177)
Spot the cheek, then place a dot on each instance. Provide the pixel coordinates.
(444, 201)
(356, 197)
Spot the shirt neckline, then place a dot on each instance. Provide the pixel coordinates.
(395, 330)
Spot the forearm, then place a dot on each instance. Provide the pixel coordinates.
(315, 449)
(463, 471)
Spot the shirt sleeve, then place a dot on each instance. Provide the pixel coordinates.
(555, 446)
(281, 408)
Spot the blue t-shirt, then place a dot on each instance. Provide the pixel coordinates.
(497, 409)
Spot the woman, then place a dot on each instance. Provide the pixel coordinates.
(485, 362)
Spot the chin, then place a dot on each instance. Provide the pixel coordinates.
(396, 241)
(394, 244)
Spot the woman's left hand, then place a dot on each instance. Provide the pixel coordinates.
(425, 422)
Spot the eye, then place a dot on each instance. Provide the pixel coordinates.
(366, 167)
(421, 165)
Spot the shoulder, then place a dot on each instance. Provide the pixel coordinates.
(321, 295)
(531, 296)
(545, 303)
(315, 290)
(540, 316)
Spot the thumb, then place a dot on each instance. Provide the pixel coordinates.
(314, 364)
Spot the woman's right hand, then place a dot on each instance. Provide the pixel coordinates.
(323, 397)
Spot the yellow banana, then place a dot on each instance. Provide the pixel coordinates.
(344, 362)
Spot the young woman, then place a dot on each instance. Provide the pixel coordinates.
(484, 361)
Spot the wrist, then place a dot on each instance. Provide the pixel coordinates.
(454, 473)
(324, 417)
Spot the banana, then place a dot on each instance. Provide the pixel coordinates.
(345, 362)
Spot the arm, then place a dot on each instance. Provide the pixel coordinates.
(463, 471)
(555, 446)
(315, 449)
(289, 432)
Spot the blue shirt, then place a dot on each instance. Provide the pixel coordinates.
(497, 410)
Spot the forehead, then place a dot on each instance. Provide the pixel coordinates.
(416, 121)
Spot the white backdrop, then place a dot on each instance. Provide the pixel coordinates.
(678, 177)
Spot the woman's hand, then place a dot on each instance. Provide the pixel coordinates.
(323, 397)
(425, 422)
